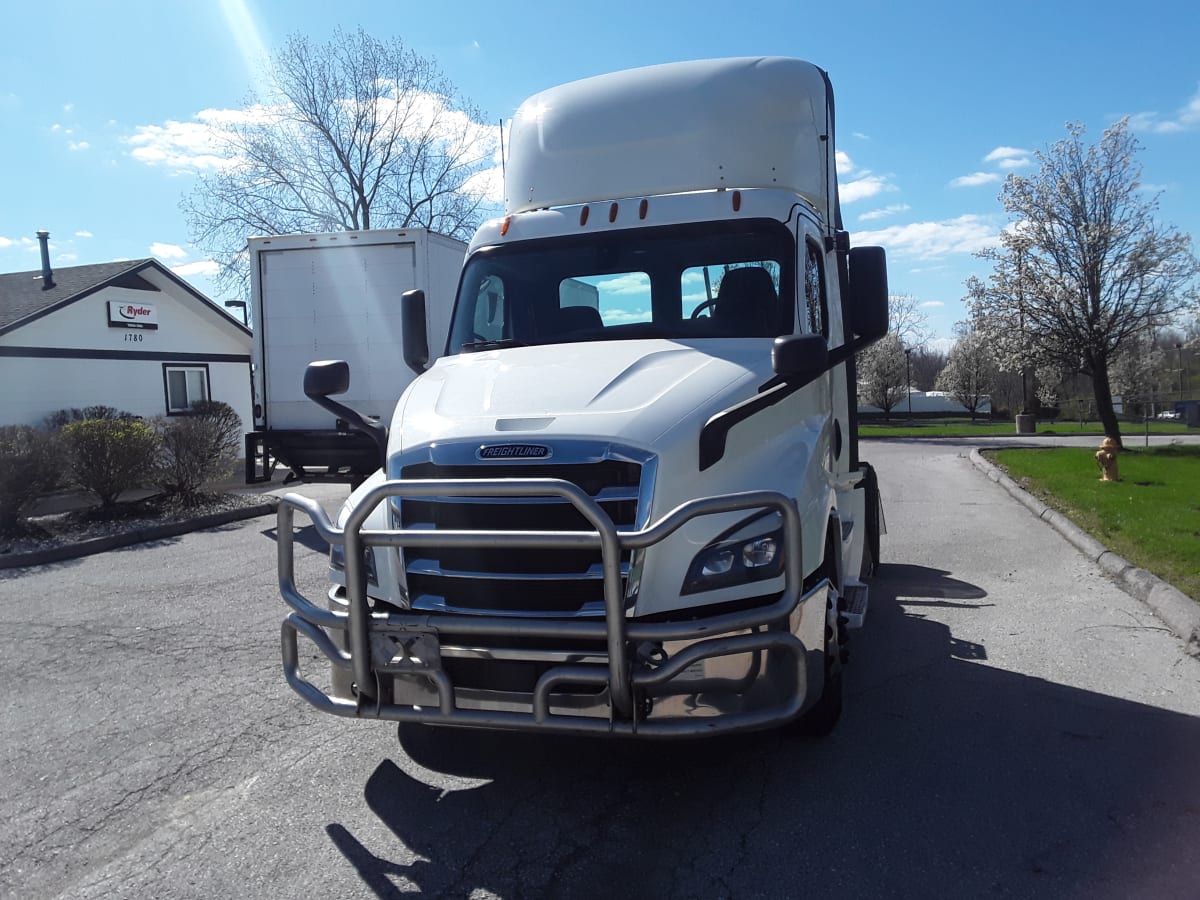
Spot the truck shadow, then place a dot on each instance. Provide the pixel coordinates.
(946, 776)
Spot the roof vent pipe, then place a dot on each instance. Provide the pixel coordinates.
(47, 273)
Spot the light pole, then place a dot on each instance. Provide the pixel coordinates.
(1179, 350)
(908, 379)
(238, 304)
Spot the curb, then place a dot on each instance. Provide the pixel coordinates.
(1177, 611)
(138, 536)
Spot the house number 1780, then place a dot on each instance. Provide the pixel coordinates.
(133, 336)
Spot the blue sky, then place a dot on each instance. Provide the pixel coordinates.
(103, 104)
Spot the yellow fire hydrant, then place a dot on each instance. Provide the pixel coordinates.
(1106, 459)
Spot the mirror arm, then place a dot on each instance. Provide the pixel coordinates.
(376, 431)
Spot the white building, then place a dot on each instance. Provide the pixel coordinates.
(930, 403)
(130, 335)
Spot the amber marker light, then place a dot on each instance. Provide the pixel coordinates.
(737, 201)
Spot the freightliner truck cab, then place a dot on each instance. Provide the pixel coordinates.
(626, 496)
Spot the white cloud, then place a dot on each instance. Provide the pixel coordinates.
(5, 243)
(884, 212)
(843, 162)
(975, 179)
(199, 145)
(866, 186)
(489, 183)
(167, 251)
(861, 136)
(68, 107)
(931, 240)
(931, 304)
(77, 146)
(630, 283)
(84, 234)
(1186, 119)
(1009, 157)
(205, 267)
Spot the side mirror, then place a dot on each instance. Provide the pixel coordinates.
(412, 323)
(868, 307)
(800, 357)
(326, 378)
(329, 377)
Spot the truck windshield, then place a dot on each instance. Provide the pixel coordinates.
(694, 281)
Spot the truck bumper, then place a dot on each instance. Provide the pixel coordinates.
(757, 665)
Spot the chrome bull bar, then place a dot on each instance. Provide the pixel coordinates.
(362, 624)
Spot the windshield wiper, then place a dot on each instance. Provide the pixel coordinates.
(498, 344)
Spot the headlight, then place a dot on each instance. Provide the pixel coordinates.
(337, 561)
(751, 551)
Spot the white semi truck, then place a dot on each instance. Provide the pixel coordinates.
(635, 509)
(319, 295)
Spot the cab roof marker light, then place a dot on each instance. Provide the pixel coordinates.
(583, 216)
(612, 213)
(737, 201)
(643, 208)
(504, 225)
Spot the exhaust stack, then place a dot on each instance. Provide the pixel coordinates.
(47, 273)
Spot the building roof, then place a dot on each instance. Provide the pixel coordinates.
(23, 299)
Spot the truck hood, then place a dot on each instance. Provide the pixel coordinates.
(633, 391)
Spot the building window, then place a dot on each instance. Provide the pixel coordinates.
(184, 385)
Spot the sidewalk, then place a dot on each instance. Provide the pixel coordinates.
(1179, 612)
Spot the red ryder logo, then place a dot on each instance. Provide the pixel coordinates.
(123, 314)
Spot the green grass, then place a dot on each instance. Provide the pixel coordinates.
(1151, 517)
(966, 428)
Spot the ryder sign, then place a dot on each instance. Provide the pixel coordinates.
(124, 314)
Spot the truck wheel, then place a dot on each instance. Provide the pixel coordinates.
(820, 718)
(870, 556)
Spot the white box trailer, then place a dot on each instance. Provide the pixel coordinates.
(336, 296)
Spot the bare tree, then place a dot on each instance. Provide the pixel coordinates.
(1088, 270)
(356, 133)
(970, 372)
(927, 364)
(906, 320)
(881, 373)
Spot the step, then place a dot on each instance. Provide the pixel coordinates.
(854, 595)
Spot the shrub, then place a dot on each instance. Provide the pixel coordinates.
(198, 448)
(59, 419)
(110, 456)
(30, 466)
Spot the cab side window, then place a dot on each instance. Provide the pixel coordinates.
(815, 303)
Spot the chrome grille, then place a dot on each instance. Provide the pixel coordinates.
(517, 580)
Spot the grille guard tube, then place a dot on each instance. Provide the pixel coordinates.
(615, 629)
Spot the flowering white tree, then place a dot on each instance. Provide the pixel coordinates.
(356, 133)
(1087, 270)
(882, 372)
(970, 371)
